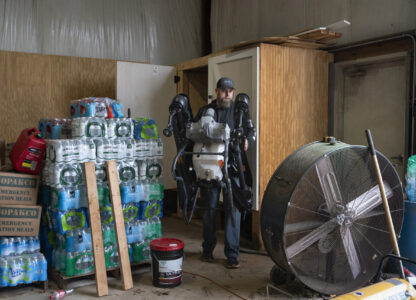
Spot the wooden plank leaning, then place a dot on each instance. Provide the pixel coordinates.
(96, 232)
(123, 252)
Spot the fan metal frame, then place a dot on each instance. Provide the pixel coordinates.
(276, 207)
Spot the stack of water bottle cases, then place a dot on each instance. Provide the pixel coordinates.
(97, 131)
(21, 261)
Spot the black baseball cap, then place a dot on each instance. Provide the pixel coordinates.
(225, 83)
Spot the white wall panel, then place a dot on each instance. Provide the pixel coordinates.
(148, 90)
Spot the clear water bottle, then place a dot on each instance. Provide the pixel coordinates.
(101, 171)
(152, 149)
(109, 235)
(140, 150)
(146, 190)
(120, 127)
(130, 211)
(131, 192)
(20, 245)
(111, 255)
(66, 175)
(146, 251)
(130, 146)
(147, 230)
(134, 232)
(4, 271)
(411, 188)
(31, 273)
(154, 169)
(89, 127)
(119, 149)
(16, 270)
(99, 148)
(30, 244)
(127, 171)
(73, 220)
(106, 214)
(159, 148)
(25, 246)
(146, 148)
(68, 197)
(153, 209)
(142, 165)
(45, 173)
(6, 246)
(68, 265)
(36, 244)
(89, 150)
(157, 227)
(60, 242)
(43, 268)
(84, 263)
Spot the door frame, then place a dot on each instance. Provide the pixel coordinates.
(336, 96)
(254, 54)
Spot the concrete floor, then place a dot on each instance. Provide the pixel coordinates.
(248, 282)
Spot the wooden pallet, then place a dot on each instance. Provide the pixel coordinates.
(9, 290)
(69, 282)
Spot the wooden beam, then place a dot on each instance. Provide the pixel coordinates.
(123, 251)
(180, 86)
(375, 49)
(256, 238)
(198, 62)
(96, 232)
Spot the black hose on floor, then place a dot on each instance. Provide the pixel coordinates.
(255, 252)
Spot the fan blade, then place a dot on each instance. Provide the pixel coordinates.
(329, 184)
(302, 226)
(309, 239)
(366, 202)
(350, 250)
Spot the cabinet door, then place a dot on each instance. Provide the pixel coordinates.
(148, 90)
(243, 68)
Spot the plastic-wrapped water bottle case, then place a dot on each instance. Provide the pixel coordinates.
(98, 131)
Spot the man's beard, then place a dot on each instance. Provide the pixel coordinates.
(223, 103)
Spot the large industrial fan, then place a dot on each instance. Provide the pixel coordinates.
(322, 218)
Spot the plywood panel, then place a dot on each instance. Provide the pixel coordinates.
(123, 250)
(197, 88)
(34, 86)
(293, 103)
(96, 231)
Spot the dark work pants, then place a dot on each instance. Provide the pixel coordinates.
(209, 199)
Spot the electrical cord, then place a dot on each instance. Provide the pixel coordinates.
(264, 253)
(216, 283)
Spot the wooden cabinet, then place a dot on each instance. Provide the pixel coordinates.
(289, 94)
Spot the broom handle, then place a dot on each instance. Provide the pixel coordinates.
(385, 202)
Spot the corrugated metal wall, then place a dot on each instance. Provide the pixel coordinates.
(233, 21)
(151, 31)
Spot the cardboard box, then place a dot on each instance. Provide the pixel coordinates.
(18, 189)
(18, 220)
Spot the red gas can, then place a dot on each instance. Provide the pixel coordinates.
(27, 153)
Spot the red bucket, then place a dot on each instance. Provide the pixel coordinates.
(167, 257)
